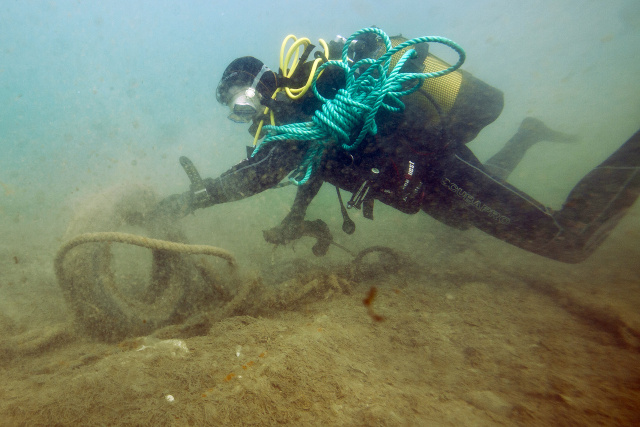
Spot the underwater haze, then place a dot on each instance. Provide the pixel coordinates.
(93, 92)
(95, 95)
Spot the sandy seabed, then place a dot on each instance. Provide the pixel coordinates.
(478, 334)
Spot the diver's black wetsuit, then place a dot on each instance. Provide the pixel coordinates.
(418, 160)
(417, 169)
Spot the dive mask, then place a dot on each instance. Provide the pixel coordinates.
(244, 104)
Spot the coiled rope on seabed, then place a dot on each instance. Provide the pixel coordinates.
(177, 287)
(145, 242)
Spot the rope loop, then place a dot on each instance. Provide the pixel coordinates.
(370, 86)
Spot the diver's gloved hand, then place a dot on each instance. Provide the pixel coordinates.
(175, 206)
(180, 205)
(292, 230)
(320, 230)
(287, 231)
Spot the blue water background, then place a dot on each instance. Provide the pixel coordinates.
(94, 93)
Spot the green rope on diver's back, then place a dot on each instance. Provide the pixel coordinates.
(358, 102)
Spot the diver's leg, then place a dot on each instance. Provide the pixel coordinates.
(530, 132)
(462, 193)
(570, 235)
(601, 198)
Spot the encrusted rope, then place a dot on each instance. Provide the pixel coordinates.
(142, 241)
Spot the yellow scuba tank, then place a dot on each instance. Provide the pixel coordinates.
(443, 90)
(458, 101)
(468, 103)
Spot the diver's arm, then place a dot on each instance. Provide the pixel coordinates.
(251, 176)
(292, 226)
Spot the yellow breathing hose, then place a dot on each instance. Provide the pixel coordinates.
(289, 71)
(288, 65)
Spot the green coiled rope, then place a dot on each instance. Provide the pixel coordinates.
(357, 104)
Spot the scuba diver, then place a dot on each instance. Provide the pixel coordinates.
(415, 158)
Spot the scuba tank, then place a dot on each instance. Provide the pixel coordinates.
(458, 104)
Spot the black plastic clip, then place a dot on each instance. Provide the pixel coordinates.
(360, 196)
